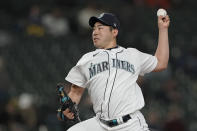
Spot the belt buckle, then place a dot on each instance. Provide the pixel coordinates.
(110, 123)
(114, 122)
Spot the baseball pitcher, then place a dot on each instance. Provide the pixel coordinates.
(110, 73)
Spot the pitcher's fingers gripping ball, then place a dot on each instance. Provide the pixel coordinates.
(163, 18)
(66, 106)
(161, 12)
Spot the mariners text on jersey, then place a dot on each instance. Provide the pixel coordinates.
(103, 66)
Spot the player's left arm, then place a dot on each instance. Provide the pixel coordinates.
(162, 52)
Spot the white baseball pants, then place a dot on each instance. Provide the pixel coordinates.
(136, 123)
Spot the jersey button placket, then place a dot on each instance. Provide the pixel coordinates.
(109, 86)
(106, 93)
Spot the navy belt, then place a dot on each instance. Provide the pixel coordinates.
(114, 122)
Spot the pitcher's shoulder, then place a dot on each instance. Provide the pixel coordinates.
(86, 57)
(132, 50)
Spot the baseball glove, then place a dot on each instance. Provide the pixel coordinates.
(66, 103)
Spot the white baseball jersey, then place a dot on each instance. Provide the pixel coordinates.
(110, 77)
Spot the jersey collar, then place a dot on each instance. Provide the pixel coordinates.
(114, 49)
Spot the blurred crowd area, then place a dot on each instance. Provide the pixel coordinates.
(40, 41)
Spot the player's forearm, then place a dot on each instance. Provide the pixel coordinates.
(162, 52)
(76, 93)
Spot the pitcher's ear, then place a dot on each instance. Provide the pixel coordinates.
(115, 32)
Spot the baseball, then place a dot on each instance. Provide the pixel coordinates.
(161, 12)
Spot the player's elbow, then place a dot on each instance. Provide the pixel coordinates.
(76, 93)
(162, 63)
(164, 67)
(160, 67)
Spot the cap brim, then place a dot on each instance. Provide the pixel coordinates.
(94, 19)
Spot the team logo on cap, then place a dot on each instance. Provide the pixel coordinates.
(115, 25)
(101, 15)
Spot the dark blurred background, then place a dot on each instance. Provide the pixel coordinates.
(41, 40)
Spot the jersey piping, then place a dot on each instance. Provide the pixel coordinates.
(106, 83)
(113, 83)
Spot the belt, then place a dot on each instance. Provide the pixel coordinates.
(115, 122)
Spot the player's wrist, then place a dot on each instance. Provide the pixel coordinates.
(163, 29)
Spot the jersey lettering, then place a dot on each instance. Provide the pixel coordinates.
(103, 66)
(119, 64)
(98, 68)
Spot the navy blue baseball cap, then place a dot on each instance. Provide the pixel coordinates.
(108, 19)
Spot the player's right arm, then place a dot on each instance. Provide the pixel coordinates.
(75, 94)
(162, 52)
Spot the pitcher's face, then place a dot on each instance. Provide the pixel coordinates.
(102, 35)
